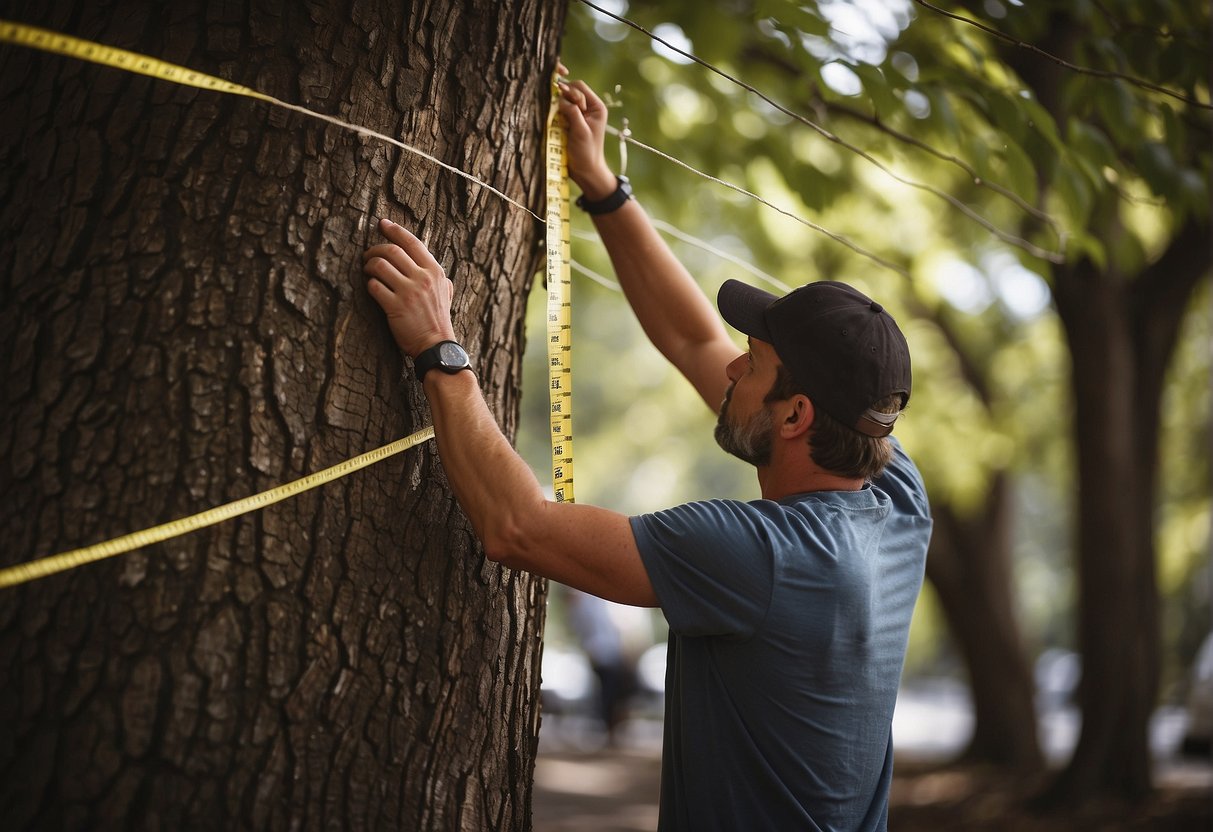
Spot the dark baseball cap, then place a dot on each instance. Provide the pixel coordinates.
(842, 348)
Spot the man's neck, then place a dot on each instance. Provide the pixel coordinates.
(778, 481)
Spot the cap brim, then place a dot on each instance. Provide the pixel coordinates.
(744, 308)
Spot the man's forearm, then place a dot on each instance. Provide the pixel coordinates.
(674, 312)
(490, 481)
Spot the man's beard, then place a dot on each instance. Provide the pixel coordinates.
(750, 442)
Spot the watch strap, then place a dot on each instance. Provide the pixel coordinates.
(608, 204)
(431, 358)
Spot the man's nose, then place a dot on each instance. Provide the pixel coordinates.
(733, 371)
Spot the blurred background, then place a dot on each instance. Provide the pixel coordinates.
(1041, 234)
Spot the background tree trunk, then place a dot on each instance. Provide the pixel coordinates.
(969, 565)
(1120, 326)
(183, 322)
(1121, 334)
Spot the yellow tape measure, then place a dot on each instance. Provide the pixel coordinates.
(47, 41)
(560, 304)
(24, 572)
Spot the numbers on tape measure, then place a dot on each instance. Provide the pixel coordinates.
(559, 308)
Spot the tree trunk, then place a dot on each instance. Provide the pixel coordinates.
(1118, 621)
(184, 322)
(969, 564)
(1121, 335)
(1121, 330)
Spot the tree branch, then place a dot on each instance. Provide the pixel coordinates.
(1084, 70)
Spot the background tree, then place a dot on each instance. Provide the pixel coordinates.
(1121, 296)
(183, 322)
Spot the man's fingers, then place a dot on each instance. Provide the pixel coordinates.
(590, 102)
(571, 95)
(382, 272)
(391, 253)
(574, 114)
(379, 292)
(580, 95)
(409, 243)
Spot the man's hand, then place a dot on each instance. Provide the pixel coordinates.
(411, 288)
(587, 118)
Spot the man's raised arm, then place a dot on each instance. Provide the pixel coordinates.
(674, 312)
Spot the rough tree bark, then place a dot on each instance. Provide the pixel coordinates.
(183, 322)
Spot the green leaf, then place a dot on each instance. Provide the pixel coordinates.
(1118, 111)
(943, 116)
(1020, 172)
(1194, 191)
(1039, 119)
(877, 88)
(1079, 243)
(1157, 166)
(1074, 192)
(792, 17)
(977, 152)
(1091, 143)
(1006, 114)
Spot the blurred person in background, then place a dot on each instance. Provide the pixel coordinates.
(600, 638)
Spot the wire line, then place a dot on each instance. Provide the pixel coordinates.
(601, 280)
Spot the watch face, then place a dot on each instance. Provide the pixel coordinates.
(452, 355)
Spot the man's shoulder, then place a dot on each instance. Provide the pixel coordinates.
(903, 483)
(721, 513)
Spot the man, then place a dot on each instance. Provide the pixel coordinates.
(788, 615)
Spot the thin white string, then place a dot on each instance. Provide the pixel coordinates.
(382, 137)
(690, 239)
(595, 276)
(711, 249)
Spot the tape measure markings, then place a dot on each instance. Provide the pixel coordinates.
(559, 306)
(24, 572)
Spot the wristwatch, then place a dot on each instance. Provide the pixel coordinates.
(610, 203)
(445, 355)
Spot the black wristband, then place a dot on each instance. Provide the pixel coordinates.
(611, 203)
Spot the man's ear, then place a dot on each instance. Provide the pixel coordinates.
(799, 417)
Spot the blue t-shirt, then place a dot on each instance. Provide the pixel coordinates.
(788, 627)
